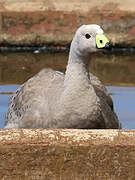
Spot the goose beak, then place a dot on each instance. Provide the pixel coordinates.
(102, 42)
(107, 46)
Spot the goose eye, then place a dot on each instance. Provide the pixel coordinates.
(87, 36)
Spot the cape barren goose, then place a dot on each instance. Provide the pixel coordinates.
(76, 100)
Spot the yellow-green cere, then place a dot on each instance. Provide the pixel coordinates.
(101, 40)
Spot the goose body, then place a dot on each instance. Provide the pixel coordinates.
(74, 100)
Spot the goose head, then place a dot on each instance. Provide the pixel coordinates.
(89, 39)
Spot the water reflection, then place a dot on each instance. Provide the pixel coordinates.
(115, 70)
(112, 70)
(17, 68)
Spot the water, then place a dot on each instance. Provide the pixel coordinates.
(5, 91)
(116, 72)
(124, 105)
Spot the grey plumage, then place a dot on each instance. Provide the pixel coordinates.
(74, 100)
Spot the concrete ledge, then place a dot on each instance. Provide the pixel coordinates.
(67, 154)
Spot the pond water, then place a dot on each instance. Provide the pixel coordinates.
(116, 72)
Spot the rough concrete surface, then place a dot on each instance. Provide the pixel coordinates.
(41, 21)
(67, 154)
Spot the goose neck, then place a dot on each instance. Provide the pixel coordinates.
(77, 72)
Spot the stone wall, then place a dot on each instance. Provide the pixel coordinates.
(41, 21)
(67, 154)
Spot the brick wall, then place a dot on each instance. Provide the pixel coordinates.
(37, 22)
